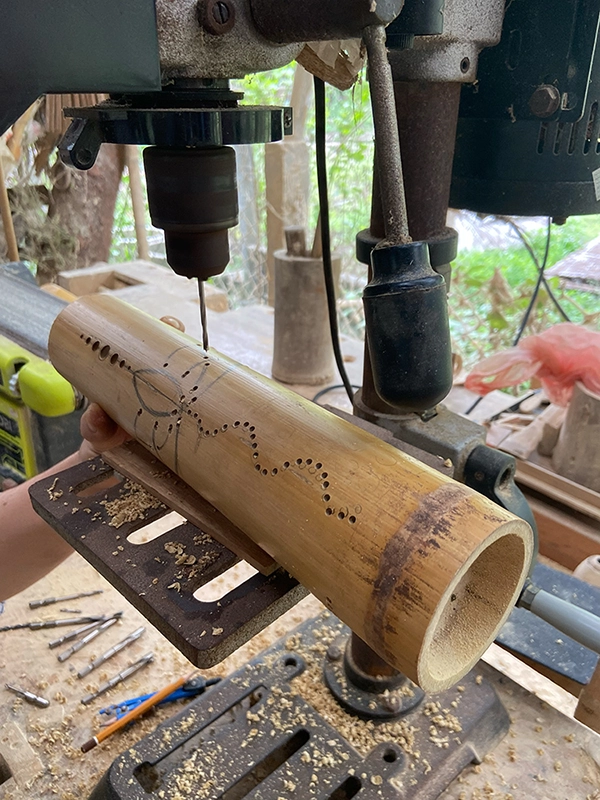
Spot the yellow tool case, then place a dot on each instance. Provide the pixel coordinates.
(39, 416)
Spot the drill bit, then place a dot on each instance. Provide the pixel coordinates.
(75, 648)
(68, 637)
(111, 652)
(203, 314)
(47, 601)
(30, 697)
(121, 676)
(50, 623)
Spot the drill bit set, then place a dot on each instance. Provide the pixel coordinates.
(88, 629)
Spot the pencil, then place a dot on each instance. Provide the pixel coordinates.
(133, 714)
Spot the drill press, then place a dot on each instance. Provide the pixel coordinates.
(170, 91)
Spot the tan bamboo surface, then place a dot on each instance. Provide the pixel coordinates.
(422, 568)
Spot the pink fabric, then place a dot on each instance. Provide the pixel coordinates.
(559, 357)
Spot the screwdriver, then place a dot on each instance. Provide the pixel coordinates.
(203, 320)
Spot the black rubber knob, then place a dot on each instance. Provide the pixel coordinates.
(408, 335)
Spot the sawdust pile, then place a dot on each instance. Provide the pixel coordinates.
(130, 506)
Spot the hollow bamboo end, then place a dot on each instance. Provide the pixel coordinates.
(475, 606)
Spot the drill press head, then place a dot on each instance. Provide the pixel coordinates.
(192, 195)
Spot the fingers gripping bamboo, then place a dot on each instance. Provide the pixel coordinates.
(422, 568)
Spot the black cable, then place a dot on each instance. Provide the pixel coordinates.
(529, 247)
(321, 142)
(536, 290)
(474, 406)
(331, 389)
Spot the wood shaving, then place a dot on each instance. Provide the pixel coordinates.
(53, 492)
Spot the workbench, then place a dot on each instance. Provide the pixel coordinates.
(546, 754)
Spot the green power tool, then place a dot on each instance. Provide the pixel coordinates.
(39, 414)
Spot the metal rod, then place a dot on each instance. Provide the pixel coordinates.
(386, 137)
(572, 620)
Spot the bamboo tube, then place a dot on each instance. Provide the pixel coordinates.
(422, 568)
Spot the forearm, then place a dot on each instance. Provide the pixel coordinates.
(29, 548)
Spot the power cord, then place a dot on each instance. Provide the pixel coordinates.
(328, 389)
(321, 148)
(540, 280)
(529, 247)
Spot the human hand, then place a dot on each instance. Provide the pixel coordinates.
(99, 433)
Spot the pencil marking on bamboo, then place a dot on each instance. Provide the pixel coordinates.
(433, 517)
(434, 614)
(160, 438)
(142, 379)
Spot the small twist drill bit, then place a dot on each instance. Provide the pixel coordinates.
(119, 678)
(203, 320)
(48, 601)
(68, 637)
(111, 652)
(75, 648)
(50, 623)
(30, 697)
